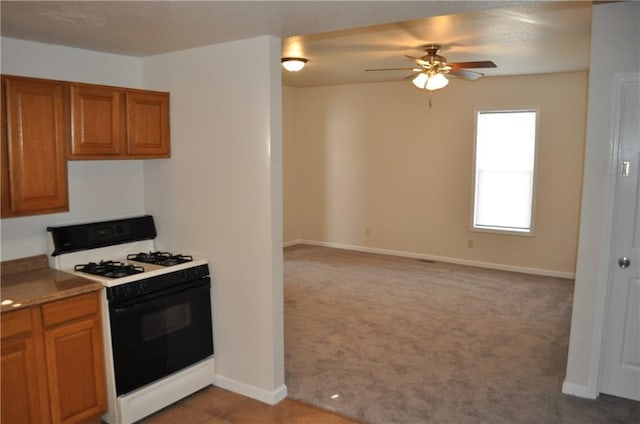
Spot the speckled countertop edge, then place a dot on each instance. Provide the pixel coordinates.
(29, 281)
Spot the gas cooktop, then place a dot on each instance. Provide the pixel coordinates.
(119, 269)
(105, 251)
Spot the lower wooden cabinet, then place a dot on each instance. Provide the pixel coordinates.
(24, 387)
(53, 366)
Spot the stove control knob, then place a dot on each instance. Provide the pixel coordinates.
(193, 273)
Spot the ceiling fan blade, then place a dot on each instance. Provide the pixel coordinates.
(417, 60)
(473, 65)
(391, 69)
(463, 73)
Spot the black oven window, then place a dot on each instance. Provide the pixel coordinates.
(165, 321)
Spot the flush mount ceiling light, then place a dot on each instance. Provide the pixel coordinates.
(293, 64)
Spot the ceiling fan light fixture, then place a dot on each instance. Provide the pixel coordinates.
(420, 80)
(436, 82)
(293, 64)
(431, 82)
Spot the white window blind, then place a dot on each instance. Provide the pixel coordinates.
(504, 170)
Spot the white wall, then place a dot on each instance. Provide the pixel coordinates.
(615, 32)
(97, 189)
(220, 195)
(376, 169)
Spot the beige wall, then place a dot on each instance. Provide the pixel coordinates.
(375, 168)
(290, 165)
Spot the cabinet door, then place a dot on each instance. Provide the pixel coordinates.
(147, 124)
(34, 163)
(23, 391)
(75, 366)
(96, 123)
(20, 401)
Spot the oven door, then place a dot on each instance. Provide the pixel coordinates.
(157, 334)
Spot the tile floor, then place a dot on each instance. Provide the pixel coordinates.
(213, 405)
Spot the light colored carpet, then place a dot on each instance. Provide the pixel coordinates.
(405, 341)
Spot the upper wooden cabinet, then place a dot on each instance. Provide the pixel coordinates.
(95, 121)
(118, 123)
(147, 123)
(46, 122)
(34, 132)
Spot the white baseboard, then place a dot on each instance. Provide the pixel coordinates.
(458, 261)
(578, 390)
(251, 391)
(291, 243)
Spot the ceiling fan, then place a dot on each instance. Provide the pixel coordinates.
(429, 72)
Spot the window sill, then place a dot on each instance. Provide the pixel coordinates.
(503, 231)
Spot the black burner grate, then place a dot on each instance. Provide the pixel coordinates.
(109, 269)
(160, 258)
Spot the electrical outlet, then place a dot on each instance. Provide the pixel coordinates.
(470, 243)
(367, 233)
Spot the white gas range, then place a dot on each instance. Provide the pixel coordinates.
(157, 316)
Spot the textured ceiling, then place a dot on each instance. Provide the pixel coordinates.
(526, 39)
(340, 38)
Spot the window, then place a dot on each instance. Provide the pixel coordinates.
(504, 170)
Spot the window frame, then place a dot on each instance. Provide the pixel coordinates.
(504, 230)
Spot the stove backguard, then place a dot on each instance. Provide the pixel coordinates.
(73, 238)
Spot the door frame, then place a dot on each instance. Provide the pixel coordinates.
(619, 81)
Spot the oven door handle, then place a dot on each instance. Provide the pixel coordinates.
(142, 301)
